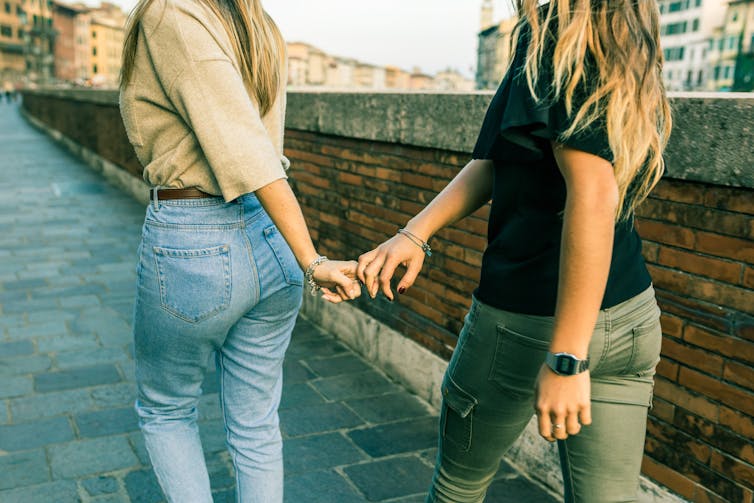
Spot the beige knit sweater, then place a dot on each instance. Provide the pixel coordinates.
(187, 112)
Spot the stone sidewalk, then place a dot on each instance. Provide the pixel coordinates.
(68, 431)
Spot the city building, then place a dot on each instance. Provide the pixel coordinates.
(397, 78)
(731, 50)
(453, 80)
(107, 28)
(421, 81)
(12, 60)
(686, 26)
(369, 76)
(71, 47)
(494, 49)
(339, 72)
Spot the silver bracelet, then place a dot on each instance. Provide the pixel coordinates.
(417, 241)
(309, 274)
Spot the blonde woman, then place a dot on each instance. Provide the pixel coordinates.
(224, 241)
(564, 321)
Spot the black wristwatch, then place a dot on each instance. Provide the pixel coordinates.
(566, 364)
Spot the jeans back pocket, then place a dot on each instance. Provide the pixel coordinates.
(517, 361)
(195, 284)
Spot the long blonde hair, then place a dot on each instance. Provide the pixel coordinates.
(256, 41)
(623, 38)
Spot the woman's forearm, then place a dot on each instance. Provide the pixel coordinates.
(281, 205)
(466, 193)
(586, 249)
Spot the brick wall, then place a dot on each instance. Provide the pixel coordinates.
(699, 243)
(700, 250)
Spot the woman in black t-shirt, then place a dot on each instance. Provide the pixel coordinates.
(564, 320)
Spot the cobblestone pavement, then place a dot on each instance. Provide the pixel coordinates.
(68, 431)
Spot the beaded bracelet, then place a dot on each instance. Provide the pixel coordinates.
(417, 241)
(309, 274)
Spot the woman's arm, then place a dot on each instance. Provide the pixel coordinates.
(586, 251)
(281, 205)
(468, 191)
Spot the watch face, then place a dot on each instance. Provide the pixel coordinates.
(565, 365)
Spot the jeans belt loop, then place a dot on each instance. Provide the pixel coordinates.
(155, 201)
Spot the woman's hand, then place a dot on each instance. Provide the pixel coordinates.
(338, 280)
(563, 403)
(376, 268)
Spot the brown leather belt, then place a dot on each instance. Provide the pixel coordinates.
(179, 194)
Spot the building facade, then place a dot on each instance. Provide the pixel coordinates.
(107, 26)
(494, 52)
(686, 26)
(12, 60)
(731, 50)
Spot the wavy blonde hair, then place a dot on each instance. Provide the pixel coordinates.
(623, 38)
(256, 41)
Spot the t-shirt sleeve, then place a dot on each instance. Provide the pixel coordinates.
(209, 94)
(519, 128)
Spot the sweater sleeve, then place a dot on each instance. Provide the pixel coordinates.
(195, 66)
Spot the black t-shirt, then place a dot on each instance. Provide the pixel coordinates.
(520, 265)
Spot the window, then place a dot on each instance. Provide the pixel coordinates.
(94, 51)
(699, 78)
(674, 53)
(698, 3)
(727, 72)
(717, 73)
(6, 31)
(7, 8)
(734, 16)
(94, 69)
(94, 33)
(732, 42)
(689, 77)
(674, 28)
(695, 25)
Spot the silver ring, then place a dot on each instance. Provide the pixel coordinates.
(557, 426)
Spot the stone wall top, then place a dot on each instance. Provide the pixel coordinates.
(712, 141)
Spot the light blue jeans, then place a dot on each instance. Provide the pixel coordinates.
(213, 277)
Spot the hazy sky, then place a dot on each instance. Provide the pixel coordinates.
(430, 34)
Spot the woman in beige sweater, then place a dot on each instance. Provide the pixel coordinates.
(224, 241)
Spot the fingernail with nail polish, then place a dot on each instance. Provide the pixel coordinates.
(402, 290)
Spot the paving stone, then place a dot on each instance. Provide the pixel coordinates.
(15, 386)
(397, 438)
(317, 419)
(23, 469)
(17, 348)
(209, 407)
(24, 284)
(62, 491)
(87, 457)
(106, 422)
(294, 372)
(300, 395)
(310, 348)
(305, 330)
(53, 315)
(79, 301)
(114, 395)
(110, 498)
(407, 476)
(220, 473)
(57, 343)
(137, 444)
(355, 385)
(89, 356)
(27, 306)
(96, 486)
(213, 436)
(26, 436)
(320, 487)
(228, 496)
(339, 365)
(76, 378)
(321, 451)
(142, 487)
(50, 405)
(392, 407)
(517, 490)
(24, 365)
(211, 383)
(100, 321)
(45, 329)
